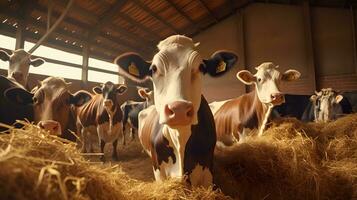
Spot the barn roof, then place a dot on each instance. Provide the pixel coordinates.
(112, 27)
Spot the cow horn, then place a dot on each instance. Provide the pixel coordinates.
(197, 44)
(276, 67)
(68, 84)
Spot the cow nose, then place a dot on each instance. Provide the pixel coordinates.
(52, 126)
(108, 103)
(179, 113)
(277, 98)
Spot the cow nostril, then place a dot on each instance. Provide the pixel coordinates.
(190, 112)
(168, 111)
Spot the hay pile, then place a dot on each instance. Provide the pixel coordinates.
(34, 165)
(293, 161)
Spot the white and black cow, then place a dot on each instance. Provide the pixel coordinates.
(100, 120)
(178, 132)
(318, 107)
(19, 65)
(131, 111)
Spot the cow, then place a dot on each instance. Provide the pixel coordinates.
(50, 106)
(178, 131)
(251, 110)
(304, 107)
(131, 111)
(19, 65)
(11, 111)
(100, 120)
(326, 104)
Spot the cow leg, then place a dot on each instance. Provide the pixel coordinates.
(115, 151)
(102, 144)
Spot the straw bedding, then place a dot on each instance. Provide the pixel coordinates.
(292, 160)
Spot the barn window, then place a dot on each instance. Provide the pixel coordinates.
(106, 71)
(7, 43)
(56, 69)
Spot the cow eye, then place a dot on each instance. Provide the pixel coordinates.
(153, 68)
(35, 100)
(259, 80)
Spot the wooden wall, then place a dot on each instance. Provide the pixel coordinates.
(319, 42)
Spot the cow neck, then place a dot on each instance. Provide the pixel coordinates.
(178, 137)
(111, 117)
(262, 111)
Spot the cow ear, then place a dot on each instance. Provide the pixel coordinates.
(19, 96)
(4, 55)
(290, 75)
(37, 62)
(121, 89)
(313, 98)
(219, 63)
(246, 77)
(143, 94)
(133, 66)
(338, 98)
(79, 98)
(97, 90)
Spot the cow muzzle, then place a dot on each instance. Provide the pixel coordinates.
(277, 98)
(179, 113)
(53, 127)
(18, 76)
(108, 104)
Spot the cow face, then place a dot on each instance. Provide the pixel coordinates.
(176, 72)
(146, 94)
(51, 102)
(267, 81)
(110, 92)
(19, 64)
(326, 105)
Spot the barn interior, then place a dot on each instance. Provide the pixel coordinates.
(315, 37)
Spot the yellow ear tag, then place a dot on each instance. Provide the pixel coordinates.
(133, 69)
(221, 67)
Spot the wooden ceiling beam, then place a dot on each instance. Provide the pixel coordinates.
(156, 16)
(181, 12)
(208, 10)
(83, 12)
(86, 26)
(106, 18)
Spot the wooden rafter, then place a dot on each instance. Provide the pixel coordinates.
(188, 18)
(156, 16)
(208, 10)
(105, 19)
(75, 22)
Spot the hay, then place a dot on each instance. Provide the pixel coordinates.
(34, 165)
(293, 160)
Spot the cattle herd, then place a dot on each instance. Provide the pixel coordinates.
(175, 124)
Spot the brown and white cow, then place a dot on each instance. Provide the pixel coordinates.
(100, 120)
(251, 111)
(19, 65)
(326, 105)
(51, 105)
(178, 131)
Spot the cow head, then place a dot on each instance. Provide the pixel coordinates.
(110, 92)
(19, 64)
(51, 102)
(176, 72)
(326, 105)
(267, 81)
(146, 94)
